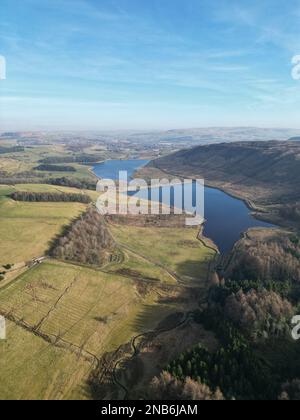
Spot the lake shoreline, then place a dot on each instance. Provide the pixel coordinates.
(257, 212)
(227, 238)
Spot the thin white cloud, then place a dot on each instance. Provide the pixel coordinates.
(280, 29)
(82, 8)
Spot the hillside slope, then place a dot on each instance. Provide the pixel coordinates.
(266, 174)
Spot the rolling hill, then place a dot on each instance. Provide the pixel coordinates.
(265, 174)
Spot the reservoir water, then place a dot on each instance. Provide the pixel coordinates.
(226, 217)
(111, 168)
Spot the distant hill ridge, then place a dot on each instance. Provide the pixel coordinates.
(270, 171)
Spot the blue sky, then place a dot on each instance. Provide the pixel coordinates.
(149, 64)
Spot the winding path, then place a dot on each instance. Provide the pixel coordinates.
(136, 350)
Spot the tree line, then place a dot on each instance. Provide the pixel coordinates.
(250, 312)
(50, 197)
(82, 158)
(272, 262)
(14, 149)
(169, 388)
(54, 168)
(234, 368)
(82, 184)
(86, 241)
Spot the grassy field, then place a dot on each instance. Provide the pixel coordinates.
(40, 188)
(33, 369)
(20, 162)
(82, 172)
(12, 165)
(26, 229)
(140, 268)
(95, 309)
(177, 249)
(83, 309)
(62, 317)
